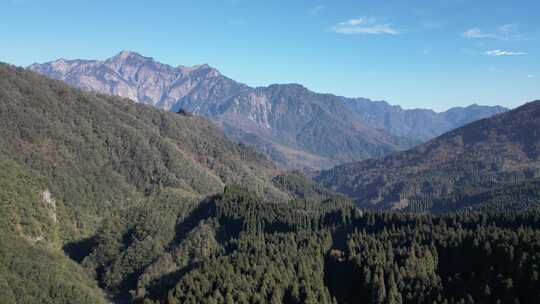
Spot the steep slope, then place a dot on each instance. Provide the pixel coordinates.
(32, 268)
(133, 149)
(417, 124)
(294, 126)
(307, 129)
(70, 159)
(501, 150)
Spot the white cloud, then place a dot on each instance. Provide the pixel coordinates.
(315, 11)
(504, 53)
(507, 29)
(363, 25)
(503, 32)
(530, 76)
(477, 33)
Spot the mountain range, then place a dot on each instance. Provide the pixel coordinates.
(292, 125)
(418, 124)
(449, 171)
(104, 200)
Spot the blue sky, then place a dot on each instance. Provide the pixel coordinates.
(430, 54)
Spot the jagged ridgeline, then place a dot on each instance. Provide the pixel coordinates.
(69, 159)
(294, 126)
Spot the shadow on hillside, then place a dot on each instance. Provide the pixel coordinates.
(78, 250)
(204, 210)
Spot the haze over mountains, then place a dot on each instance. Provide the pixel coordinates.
(292, 125)
(418, 124)
(450, 171)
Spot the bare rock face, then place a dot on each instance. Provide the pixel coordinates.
(297, 128)
(139, 78)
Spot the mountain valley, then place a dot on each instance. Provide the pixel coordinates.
(293, 126)
(108, 200)
(269, 152)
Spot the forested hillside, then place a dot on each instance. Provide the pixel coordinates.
(246, 251)
(32, 268)
(103, 200)
(489, 154)
(98, 152)
(69, 159)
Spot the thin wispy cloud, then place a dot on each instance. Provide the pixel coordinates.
(503, 32)
(317, 10)
(475, 33)
(530, 76)
(504, 53)
(364, 25)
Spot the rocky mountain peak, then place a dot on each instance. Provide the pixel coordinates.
(131, 61)
(199, 70)
(127, 55)
(288, 86)
(295, 126)
(61, 64)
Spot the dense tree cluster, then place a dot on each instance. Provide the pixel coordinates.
(31, 273)
(516, 196)
(251, 251)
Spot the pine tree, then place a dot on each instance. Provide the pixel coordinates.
(394, 296)
(378, 289)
